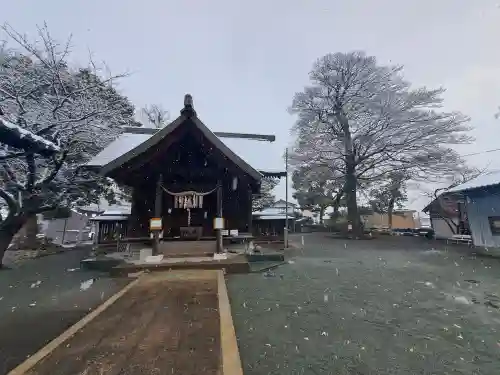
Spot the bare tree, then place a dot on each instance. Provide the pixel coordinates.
(156, 115)
(77, 110)
(373, 123)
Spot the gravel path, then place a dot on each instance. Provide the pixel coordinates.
(41, 298)
(385, 306)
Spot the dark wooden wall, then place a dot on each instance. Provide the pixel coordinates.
(236, 209)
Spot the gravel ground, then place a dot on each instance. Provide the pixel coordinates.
(42, 297)
(384, 306)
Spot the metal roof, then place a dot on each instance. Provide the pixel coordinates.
(483, 180)
(273, 217)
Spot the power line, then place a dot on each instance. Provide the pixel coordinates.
(482, 152)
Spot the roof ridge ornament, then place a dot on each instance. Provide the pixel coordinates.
(188, 109)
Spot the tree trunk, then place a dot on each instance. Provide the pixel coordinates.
(351, 200)
(29, 241)
(390, 210)
(336, 204)
(351, 181)
(7, 233)
(321, 214)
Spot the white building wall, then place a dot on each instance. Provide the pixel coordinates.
(441, 228)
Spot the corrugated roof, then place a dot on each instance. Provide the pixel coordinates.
(273, 217)
(110, 218)
(251, 151)
(483, 180)
(273, 211)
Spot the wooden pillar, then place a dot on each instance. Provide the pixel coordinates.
(219, 245)
(133, 221)
(158, 213)
(250, 195)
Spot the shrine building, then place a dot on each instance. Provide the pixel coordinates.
(186, 180)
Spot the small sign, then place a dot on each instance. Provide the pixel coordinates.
(218, 223)
(233, 232)
(155, 224)
(349, 227)
(225, 232)
(220, 256)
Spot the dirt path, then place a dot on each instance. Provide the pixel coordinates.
(158, 327)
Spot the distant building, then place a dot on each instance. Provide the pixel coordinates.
(401, 219)
(74, 229)
(282, 205)
(272, 220)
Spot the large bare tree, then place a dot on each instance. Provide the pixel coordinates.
(372, 123)
(75, 109)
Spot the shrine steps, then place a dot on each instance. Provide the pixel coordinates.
(237, 264)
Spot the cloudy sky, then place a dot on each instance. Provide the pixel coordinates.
(243, 60)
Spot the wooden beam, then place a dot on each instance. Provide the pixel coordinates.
(250, 200)
(250, 136)
(255, 137)
(158, 212)
(219, 248)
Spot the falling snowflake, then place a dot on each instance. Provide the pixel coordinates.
(36, 284)
(86, 284)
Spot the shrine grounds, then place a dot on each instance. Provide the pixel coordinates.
(395, 305)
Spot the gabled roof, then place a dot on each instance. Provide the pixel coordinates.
(128, 146)
(17, 137)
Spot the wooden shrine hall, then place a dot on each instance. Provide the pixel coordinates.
(185, 180)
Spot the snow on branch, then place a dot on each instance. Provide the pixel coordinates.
(17, 137)
(74, 113)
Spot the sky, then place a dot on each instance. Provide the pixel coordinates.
(243, 60)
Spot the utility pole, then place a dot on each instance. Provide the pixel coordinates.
(286, 199)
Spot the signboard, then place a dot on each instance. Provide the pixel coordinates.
(349, 227)
(155, 224)
(218, 223)
(225, 232)
(233, 232)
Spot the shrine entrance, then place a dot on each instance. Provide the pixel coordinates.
(190, 210)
